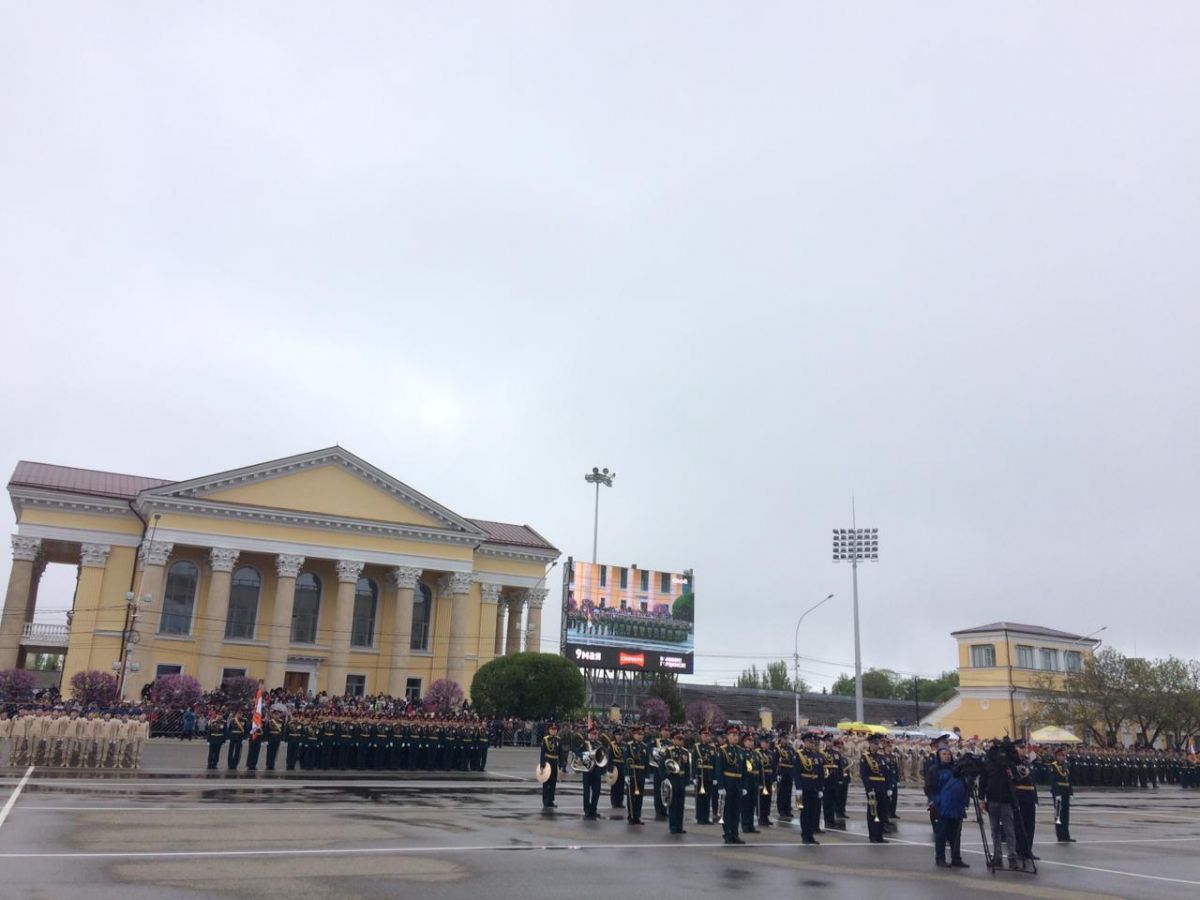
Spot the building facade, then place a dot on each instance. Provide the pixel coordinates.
(1000, 668)
(318, 572)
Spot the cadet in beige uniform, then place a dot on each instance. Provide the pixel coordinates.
(39, 727)
(110, 737)
(5, 731)
(19, 731)
(72, 752)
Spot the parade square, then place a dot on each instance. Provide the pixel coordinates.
(167, 832)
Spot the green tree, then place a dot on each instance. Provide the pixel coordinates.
(1094, 699)
(527, 685)
(750, 678)
(666, 688)
(879, 684)
(684, 607)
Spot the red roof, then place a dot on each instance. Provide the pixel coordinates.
(127, 487)
(81, 481)
(519, 535)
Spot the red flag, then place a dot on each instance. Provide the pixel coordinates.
(256, 719)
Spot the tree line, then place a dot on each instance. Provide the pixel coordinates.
(1152, 697)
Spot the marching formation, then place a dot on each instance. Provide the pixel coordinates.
(61, 738)
(323, 739)
(742, 779)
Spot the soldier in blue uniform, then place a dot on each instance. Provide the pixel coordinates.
(785, 755)
(768, 763)
(274, 734)
(751, 784)
(216, 737)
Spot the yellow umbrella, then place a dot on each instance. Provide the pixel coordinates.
(1052, 734)
(862, 727)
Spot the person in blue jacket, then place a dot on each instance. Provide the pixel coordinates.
(947, 794)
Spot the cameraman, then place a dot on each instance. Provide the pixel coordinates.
(996, 786)
(947, 794)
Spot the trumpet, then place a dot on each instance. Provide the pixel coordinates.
(873, 806)
(1058, 810)
(720, 807)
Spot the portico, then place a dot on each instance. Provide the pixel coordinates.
(316, 570)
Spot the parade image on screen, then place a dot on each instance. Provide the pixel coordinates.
(627, 617)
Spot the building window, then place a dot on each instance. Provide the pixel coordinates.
(1073, 660)
(356, 685)
(664, 582)
(645, 573)
(644, 605)
(1024, 657)
(624, 573)
(179, 598)
(623, 604)
(226, 674)
(366, 597)
(603, 576)
(422, 617)
(983, 656)
(306, 609)
(1049, 659)
(165, 669)
(412, 690)
(243, 604)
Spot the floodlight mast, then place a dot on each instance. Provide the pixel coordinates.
(852, 545)
(598, 477)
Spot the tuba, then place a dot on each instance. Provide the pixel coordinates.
(583, 760)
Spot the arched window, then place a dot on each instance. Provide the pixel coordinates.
(179, 598)
(243, 604)
(362, 630)
(306, 609)
(422, 618)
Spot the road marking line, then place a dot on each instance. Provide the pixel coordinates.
(1054, 862)
(348, 851)
(13, 798)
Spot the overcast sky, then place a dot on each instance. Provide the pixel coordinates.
(753, 257)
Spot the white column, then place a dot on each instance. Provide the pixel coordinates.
(216, 610)
(405, 579)
(512, 638)
(287, 567)
(25, 551)
(456, 587)
(489, 594)
(348, 572)
(533, 630)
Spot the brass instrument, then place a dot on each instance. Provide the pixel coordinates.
(873, 806)
(1057, 810)
(673, 767)
(584, 760)
(766, 791)
(720, 807)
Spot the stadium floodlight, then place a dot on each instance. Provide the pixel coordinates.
(855, 545)
(598, 477)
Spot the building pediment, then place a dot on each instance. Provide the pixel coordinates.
(331, 485)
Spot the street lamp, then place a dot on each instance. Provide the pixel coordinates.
(796, 661)
(598, 477)
(853, 545)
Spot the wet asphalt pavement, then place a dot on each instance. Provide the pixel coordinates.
(175, 831)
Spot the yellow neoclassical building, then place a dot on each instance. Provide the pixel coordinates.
(319, 572)
(1000, 667)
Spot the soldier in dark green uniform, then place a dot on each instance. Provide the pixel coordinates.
(293, 734)
(1061, 790)
(704, 756)
(216, 737)
(635, 759)
(679, 754)
(274, 734)
(730, 773)
(751, 784)
(235, 733)
(550, 752)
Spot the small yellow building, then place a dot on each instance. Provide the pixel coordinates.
(318, 572)
(1000, 667)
